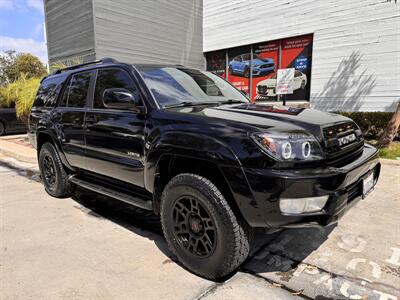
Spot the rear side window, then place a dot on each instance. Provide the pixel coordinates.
(112, 78)
(76, 92)
(48, 91)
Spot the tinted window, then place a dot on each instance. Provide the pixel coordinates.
(76, 92)
(112, 78)
(48, 91)
(246, 56)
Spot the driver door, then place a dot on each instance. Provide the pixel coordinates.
(115, 137)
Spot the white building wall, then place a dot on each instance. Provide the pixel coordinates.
(356, 50)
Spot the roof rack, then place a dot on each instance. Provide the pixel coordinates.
(99, 61)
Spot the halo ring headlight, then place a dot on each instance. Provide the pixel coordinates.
(306, 149)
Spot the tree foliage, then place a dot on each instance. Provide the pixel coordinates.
(12, 65)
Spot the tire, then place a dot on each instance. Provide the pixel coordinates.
(211, 243)
(246, 72)
(2, 128)
(54, 177)
(230, 70)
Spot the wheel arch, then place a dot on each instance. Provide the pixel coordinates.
(170, 165)
(44, 136)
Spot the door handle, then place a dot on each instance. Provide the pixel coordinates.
(91, 119)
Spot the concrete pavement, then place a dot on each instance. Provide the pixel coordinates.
(90, 247)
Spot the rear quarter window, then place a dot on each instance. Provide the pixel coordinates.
(48, 91)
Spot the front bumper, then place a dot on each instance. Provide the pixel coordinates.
(263, 71)
(343, 185)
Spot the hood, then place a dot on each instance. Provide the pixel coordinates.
(270, 82)
(260, 117)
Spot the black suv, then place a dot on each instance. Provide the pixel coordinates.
(187, 145)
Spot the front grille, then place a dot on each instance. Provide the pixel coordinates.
(266, 66)
(333, 131)
(337, 154)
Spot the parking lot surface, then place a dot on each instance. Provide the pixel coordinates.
(91, 247)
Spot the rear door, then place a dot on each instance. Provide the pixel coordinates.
(69, 117)
(114, 137)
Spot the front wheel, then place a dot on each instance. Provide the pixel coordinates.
(201, 228)
(246, 72)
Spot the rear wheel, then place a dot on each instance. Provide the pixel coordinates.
(54, 177)
(200, 227)
(2, 128)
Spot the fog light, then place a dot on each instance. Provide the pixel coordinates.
(302, 205)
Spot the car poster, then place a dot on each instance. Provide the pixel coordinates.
(265, 56)
(216, 62)
(296, 53)
(268, 57)
(239, 68)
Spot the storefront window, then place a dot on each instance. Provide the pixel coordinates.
(253, 68)
(216, 63)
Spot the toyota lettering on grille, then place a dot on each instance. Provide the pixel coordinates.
(347, 139)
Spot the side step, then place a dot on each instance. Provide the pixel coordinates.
(111, 193)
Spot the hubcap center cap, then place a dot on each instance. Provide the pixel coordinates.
(196, 225)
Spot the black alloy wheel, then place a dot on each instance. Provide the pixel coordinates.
(200, 227)
(49, 171)
(194, 229)
(54, 176)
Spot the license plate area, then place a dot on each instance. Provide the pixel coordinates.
(368, 184)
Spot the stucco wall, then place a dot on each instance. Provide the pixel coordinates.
(356, 51)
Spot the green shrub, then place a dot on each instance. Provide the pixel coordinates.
(372, 124)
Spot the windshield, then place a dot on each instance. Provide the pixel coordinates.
(173, 86)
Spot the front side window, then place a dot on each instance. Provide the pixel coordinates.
(76, 92)
(173, 86)
(246, 56)
(112, 78)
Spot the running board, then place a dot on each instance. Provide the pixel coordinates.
(111, 193)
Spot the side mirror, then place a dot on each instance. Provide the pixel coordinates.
(119, 98)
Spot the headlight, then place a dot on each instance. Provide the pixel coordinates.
(289, 146)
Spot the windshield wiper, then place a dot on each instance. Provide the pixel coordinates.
(231, 101)
(189, 103)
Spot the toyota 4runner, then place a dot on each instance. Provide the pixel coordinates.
(187, 145)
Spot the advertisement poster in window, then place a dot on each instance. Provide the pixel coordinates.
(216, 62)
(239, 68)
(296, 53)
(265, 64)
